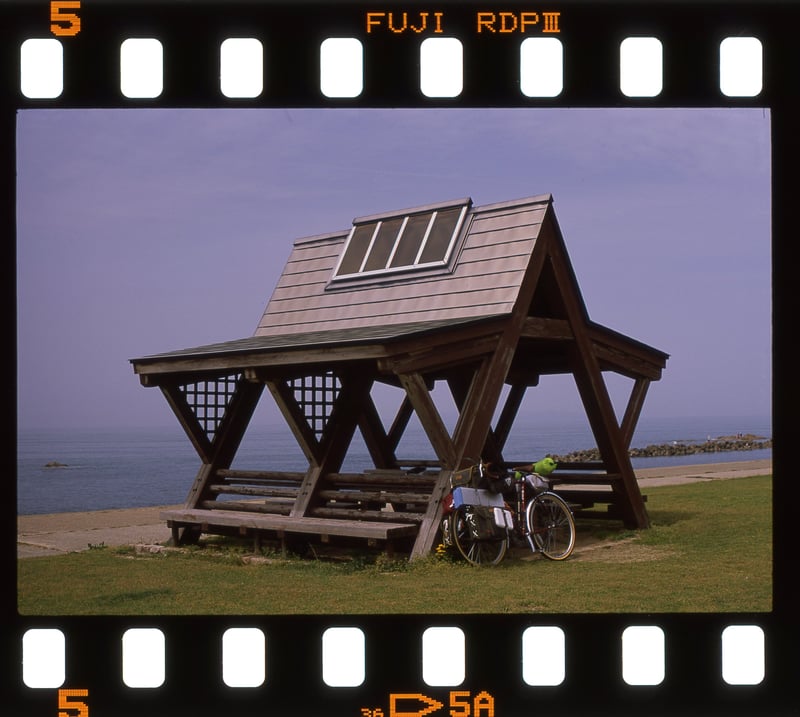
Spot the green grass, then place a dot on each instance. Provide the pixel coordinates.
(709, 550)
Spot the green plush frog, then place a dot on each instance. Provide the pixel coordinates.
(545, 466)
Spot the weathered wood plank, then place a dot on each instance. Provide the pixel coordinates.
(378, 496)
(380, 479)
(277, 506)
(296, 420)
(317, 526)
(334, 513)
(428, 414)
(260, 475)
(224, 489)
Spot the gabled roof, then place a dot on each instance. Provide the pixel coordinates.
(353, 279)
(337, 301)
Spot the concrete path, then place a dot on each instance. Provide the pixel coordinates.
(58, 533)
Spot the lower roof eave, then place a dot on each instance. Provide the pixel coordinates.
(263, 352)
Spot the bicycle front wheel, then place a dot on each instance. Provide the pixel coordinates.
(478, 551)
(551, 525)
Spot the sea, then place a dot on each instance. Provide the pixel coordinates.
(105, 469)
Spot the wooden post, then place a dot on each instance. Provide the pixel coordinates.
(634, 409)
(296, 420)
(509, 413)
(378, 444)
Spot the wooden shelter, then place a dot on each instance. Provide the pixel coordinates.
(472, 297)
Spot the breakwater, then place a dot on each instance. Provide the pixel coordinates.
(722, 444)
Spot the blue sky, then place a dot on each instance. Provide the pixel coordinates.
(142, 231)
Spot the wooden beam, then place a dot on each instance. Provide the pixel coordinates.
(509, 412)
(252, 361)
(336, 437)
(626, 364)
(296, 420)
(475, 419)
(431, 358)
(198, 437)
(235, 420)
(591, 385)
(633, 410)
(400, 423)
(419, 396)
(380, 448)
(537, 327)
(460, 386)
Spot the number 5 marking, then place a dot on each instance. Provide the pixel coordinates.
(64, 24)
(64, 703)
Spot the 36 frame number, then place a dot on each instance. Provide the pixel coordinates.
(64, 22)
(69, 706)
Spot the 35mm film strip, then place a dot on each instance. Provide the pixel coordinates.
(77, 54)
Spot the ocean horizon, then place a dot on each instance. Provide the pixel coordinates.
(106, 469)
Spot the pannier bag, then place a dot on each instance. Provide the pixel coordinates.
(536, 482)
(476, 496)
(487, 517)
(482, 523)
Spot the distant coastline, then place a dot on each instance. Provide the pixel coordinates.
(722, 444)
(128, 468)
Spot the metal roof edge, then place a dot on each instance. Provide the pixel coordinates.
(413, 210)
(509, 204)
(328, 236)
(322, 237)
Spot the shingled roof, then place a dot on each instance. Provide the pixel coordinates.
(476, 275)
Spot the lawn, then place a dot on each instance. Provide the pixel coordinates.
(709, 550)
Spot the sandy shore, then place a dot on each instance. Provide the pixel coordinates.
(56, 533)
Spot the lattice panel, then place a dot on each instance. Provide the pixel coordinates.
(209, 400)
(316, 395)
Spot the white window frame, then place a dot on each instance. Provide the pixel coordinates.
(387, 268)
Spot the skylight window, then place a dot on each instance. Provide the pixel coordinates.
(379, 245)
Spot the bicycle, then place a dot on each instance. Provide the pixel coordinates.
(481, 524)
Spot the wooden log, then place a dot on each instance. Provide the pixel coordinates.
(261, 475)
(356, 514)
(254, 490)
(375, 496)
(359, 479)
(246, 506)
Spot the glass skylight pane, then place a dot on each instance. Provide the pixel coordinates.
(411, 241)
(356, 249)
(383, 245)
(400, 242)
(440, 235)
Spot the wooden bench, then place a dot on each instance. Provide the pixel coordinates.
(376, 505)
(244, 521)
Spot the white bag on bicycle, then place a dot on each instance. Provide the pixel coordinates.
(536, 482)
(476, 496)
(503, 518)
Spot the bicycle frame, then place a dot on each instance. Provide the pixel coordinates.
(520, 523)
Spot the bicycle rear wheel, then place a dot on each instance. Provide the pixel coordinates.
(551, 525)
(478, 551)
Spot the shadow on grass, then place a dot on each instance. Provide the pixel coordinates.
(125, 598)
